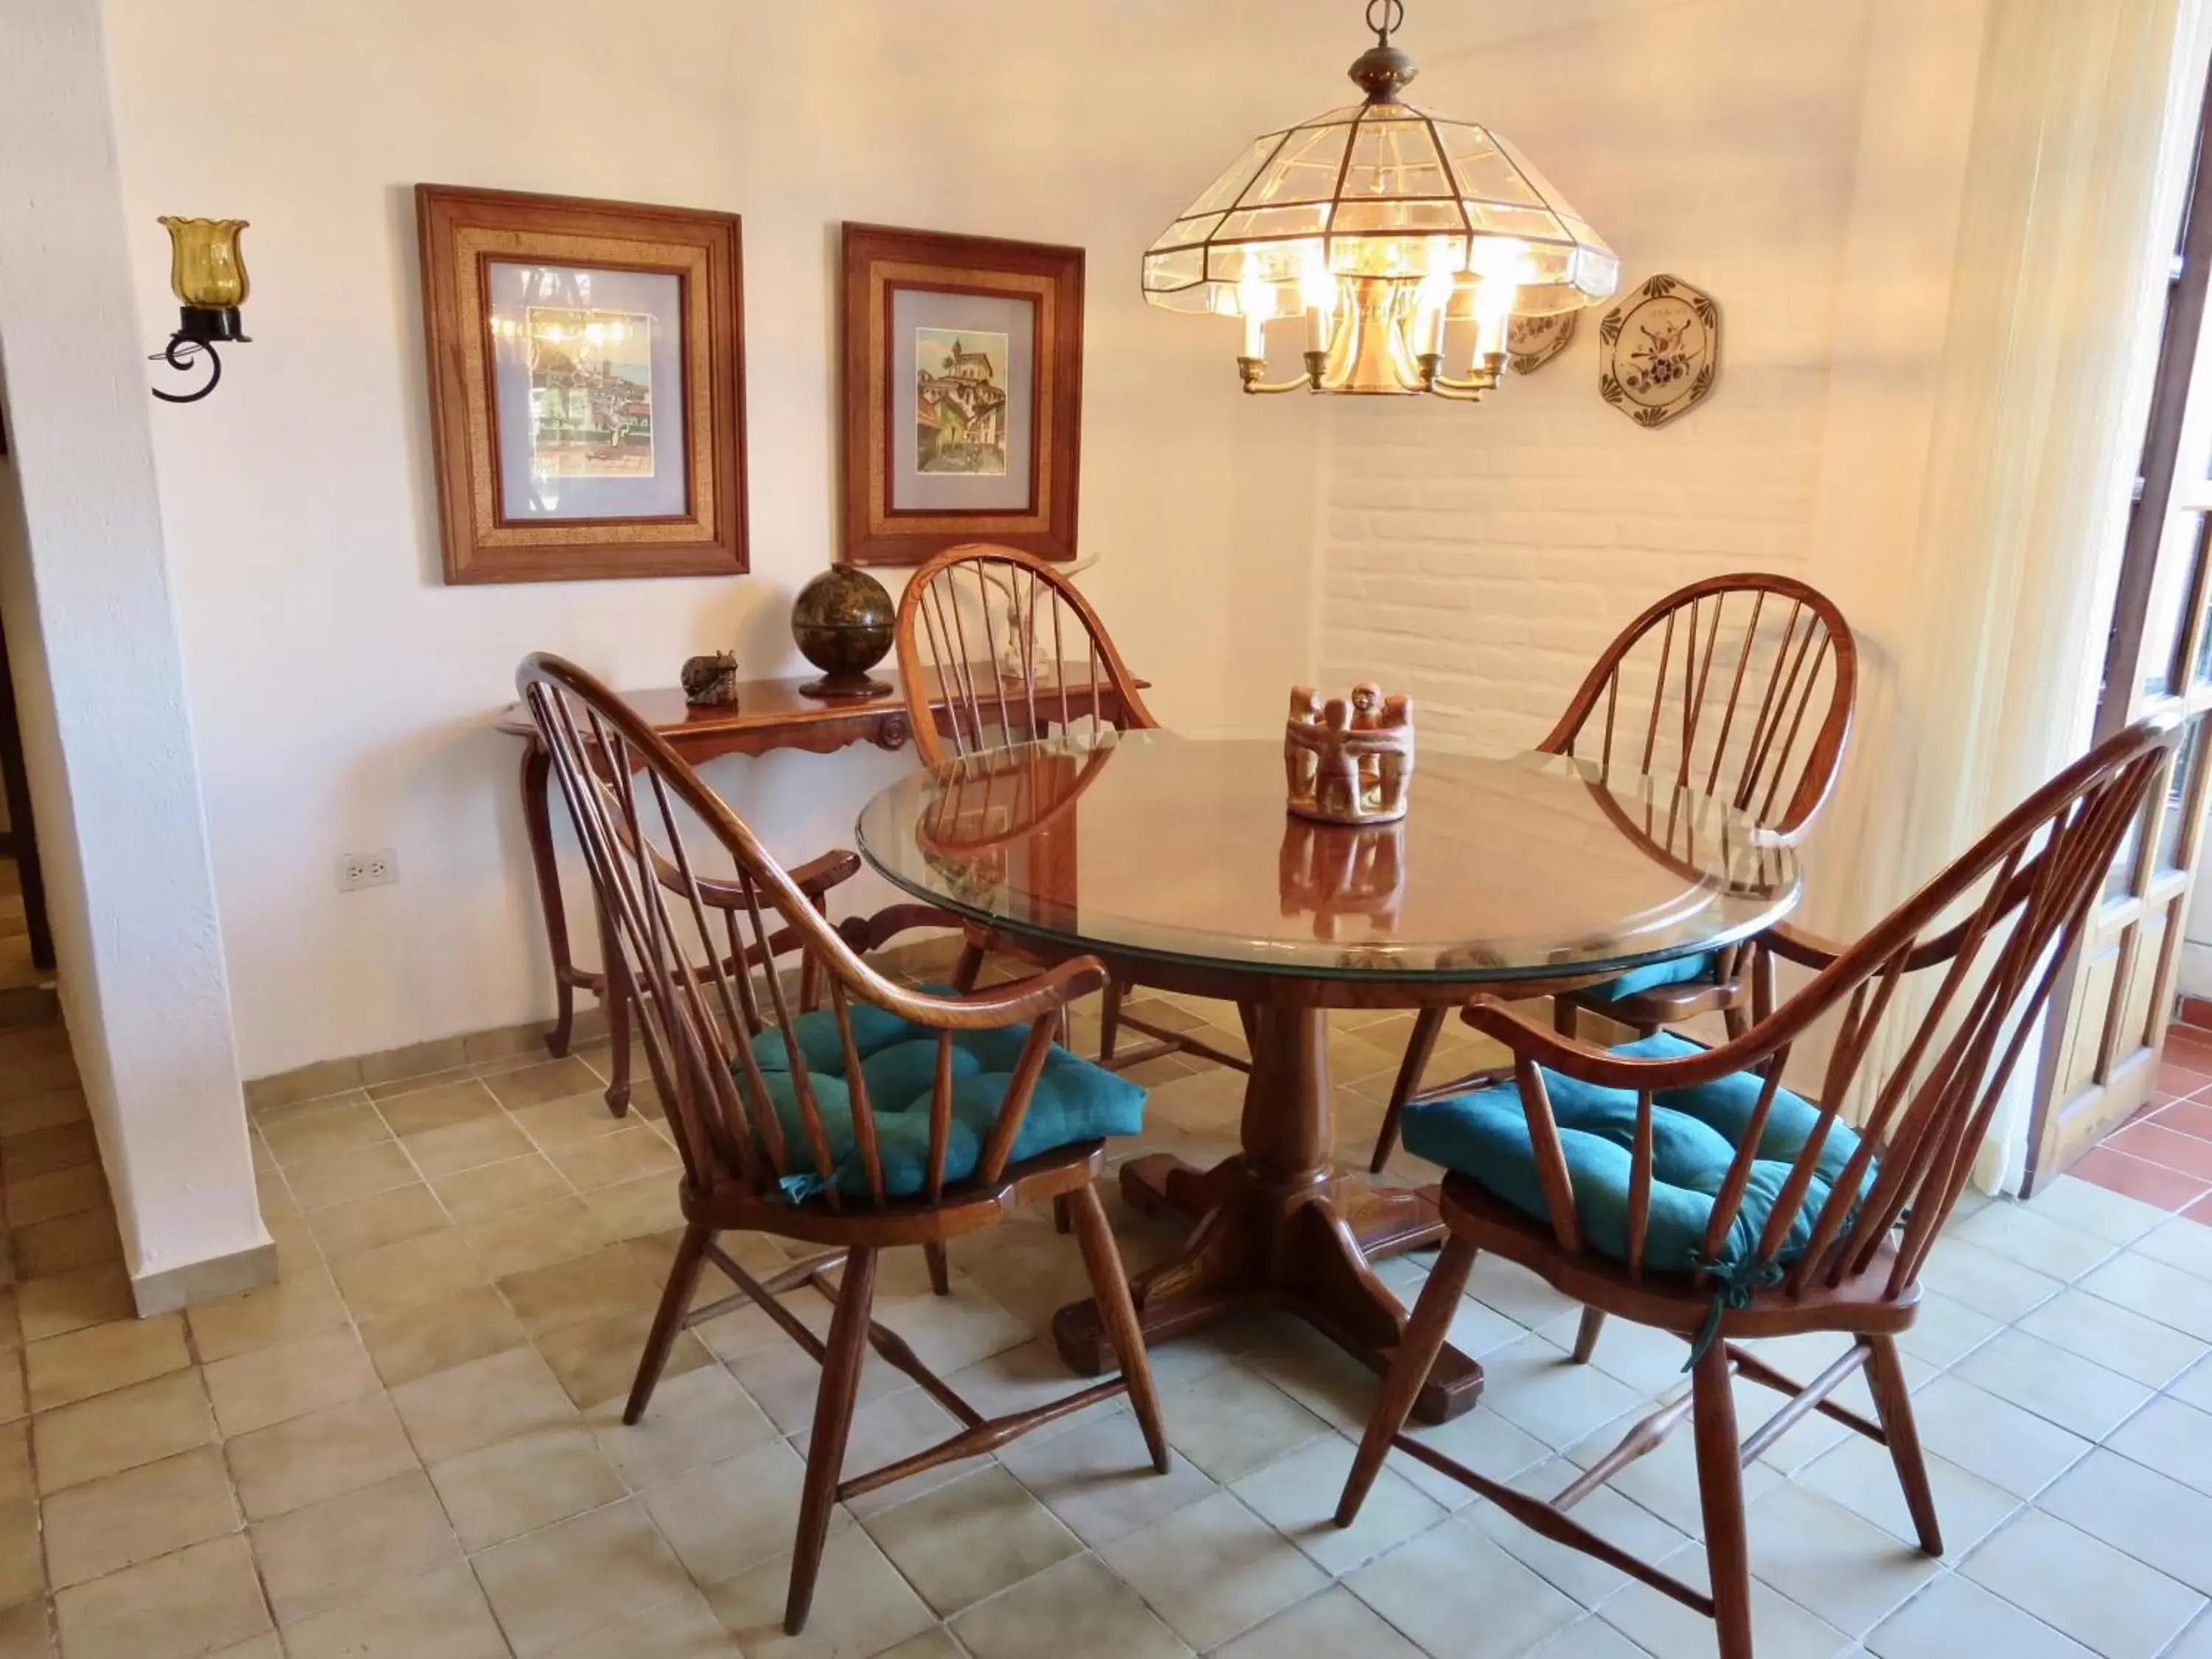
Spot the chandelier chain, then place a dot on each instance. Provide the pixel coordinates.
(1385, 17)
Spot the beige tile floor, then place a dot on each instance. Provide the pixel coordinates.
(410, 1448)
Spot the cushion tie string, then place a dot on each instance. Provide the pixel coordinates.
(1737, 1280)
(797, 1188)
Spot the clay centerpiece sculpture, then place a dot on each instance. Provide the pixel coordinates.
(1348, 761)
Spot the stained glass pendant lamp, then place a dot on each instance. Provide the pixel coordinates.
(1382, 224)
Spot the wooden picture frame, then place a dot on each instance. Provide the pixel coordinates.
(961, 380)
(587, 376)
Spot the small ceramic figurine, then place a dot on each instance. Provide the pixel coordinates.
(711, 682)
(1348, 760)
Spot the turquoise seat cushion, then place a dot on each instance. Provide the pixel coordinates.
(1695, 1132)
(1073, 1100)
(1681, 970)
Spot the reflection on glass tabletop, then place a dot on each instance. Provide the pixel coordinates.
(1148, 844)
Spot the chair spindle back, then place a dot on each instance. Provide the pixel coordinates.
(700, 1019)
(1013, 651)
(1739, 686)
(1928, 1092)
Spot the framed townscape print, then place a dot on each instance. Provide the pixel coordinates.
(962, 381)
(586, 385)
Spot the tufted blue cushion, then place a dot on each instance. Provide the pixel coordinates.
(1073, 1100)
(1694, 1132)
(1679, 971)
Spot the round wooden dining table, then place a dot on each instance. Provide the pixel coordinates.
(1174, 861)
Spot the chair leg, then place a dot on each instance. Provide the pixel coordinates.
(1109, 1021)
(1426, 1025)
(1736, 1019)
(1893, 1403)
(1720, 1490)
(1417, 1352)
(969, 965)
(615, 1000)
(1061, 1221)
(1564, 1019)
(833, 1422)
(668, 1323)
(1586, 1336)
(940, 1270)
(1109, 1283)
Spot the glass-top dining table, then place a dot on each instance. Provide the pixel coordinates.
(1174, 861)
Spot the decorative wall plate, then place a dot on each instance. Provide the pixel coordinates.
(1534, 341)
(1659, 351)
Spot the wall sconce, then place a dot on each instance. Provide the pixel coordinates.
(208, 276)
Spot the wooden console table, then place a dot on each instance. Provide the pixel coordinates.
(768, 715)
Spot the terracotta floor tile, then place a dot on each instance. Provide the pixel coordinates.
(319, 1131)
(476, 1404)
(597, 1359)
(2188, 1117)
(2169, 1149)
(518, 1485)
(2118, 1173)
(22, 1567)
(2201, 1211)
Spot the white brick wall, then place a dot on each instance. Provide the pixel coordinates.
(1486, 553)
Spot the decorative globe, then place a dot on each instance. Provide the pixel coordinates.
(842, 620)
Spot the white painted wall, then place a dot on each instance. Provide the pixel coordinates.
(342, 693)
(93, 636)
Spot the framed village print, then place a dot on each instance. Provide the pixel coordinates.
(586, 367)
(962, 373)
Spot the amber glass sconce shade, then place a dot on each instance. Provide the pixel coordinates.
(207, 273)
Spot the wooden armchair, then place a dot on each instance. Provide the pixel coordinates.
(1587, 1167)
(981, 675)
(889, 1117)
(1711, 689)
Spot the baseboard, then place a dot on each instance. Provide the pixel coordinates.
(932, 956)
(205, 1281)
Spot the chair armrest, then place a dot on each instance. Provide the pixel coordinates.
(1799, 945)
(1573, 1058)
(1016, 1004)
(819, 875)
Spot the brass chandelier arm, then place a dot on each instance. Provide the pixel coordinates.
(1251, 368)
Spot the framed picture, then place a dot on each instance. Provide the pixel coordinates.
(962, 383)
(586, 385)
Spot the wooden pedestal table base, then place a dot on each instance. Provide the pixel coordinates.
(1280, 1226)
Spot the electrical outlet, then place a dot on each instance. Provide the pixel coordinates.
(377, 869)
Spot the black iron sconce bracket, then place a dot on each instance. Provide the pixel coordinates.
(198, 329)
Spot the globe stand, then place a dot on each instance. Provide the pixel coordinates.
(837, 688)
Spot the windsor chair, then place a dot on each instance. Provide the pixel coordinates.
(1046, 663)
(891, 1116)
(1687, 1189)
(1654, 703)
